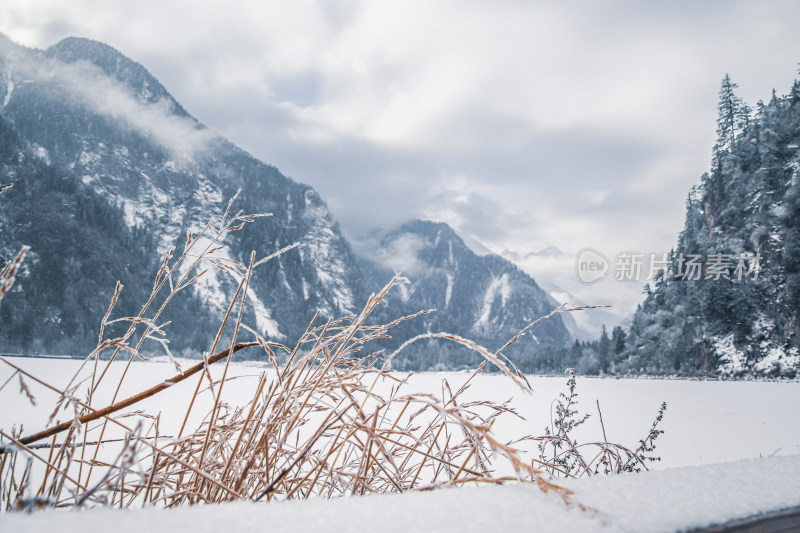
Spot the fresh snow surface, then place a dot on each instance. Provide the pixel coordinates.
(753, 424)
(264, 321)
(665, 501)
(706, 421)
(500, 285)
(449, 291)
(733, 360)
(488, 301)
(9, 90)
(330, 267)
(475, 245)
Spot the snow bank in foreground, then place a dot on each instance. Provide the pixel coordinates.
(670, 500)
(673, 500)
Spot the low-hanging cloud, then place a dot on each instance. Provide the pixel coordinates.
(87, 84)
(402, 253)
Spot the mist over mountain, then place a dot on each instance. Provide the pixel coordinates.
(93, 118)
(109, 171)
(481, 297)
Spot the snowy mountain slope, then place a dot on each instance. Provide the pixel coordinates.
(482, 297)
(90, 112)
(104, 124)
(80, 247)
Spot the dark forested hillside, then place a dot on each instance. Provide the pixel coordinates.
(729, 302)
(109, 172)
(80, 247)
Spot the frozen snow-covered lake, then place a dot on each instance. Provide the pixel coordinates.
(706, 421)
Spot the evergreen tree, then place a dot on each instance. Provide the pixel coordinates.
(733, 118)
(618, 337)
(604, 351)
(746, 211)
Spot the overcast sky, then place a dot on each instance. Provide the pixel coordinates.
(522, 124)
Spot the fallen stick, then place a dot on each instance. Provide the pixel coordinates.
(100, 413)
(6, 449)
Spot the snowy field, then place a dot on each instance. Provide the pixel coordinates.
(706, 423)
(664, 501)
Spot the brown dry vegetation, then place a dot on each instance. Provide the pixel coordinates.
(317, 425)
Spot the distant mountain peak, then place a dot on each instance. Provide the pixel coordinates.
(418, 245)
(482, 297)
(115, 65)
(550, 251)
(9, 47)
(5, 40)
(439, 232)
(423, 227)
(74, 48)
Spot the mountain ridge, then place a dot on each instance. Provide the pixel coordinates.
(482, 297)
(115, 64)
(109, 128)
(169, 174)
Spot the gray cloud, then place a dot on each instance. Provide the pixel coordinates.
(88, 85)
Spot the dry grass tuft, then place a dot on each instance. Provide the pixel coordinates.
(562, 456)
(316, 425)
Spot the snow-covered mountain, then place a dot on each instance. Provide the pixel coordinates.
(587, 325)
(84, 109)
(101, 154)
(482, 297)
(730, 300)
